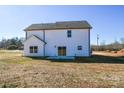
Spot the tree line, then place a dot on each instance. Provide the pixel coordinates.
(115, 46)
(12, 44)
(17, 43)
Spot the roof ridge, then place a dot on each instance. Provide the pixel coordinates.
(60, 25)
(71, 21)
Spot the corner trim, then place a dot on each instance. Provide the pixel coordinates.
(26, 35)
(89, 42)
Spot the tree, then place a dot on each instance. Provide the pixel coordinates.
(102, 46)
(13, 43)
(3, 43)
(12, 47)
(122, 42)
(116, 45)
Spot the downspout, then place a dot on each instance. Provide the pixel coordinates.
(89, 43)
(44, 43)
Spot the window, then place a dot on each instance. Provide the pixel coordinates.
(79, 47)
(33, 49)
(69, 33)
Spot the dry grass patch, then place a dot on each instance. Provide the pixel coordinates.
(19, 71)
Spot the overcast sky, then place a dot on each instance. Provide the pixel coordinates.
(107, 21)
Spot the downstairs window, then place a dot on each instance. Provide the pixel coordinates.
(33, 49)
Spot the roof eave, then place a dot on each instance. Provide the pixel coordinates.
(57, 28)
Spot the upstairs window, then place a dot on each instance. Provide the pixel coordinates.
(33, 49)
(69, 33)
(79, 47)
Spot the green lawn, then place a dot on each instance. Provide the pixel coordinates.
(97, 71)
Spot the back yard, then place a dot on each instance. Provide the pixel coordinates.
(98, 71)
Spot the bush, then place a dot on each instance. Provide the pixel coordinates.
(12, 47)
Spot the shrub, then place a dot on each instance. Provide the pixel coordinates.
(12, 47)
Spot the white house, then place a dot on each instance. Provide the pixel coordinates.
(67, 38)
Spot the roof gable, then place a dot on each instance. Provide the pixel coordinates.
(60, 25)
(36, 38)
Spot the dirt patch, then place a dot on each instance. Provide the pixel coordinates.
(111, 53)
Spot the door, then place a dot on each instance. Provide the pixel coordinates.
(61, 51)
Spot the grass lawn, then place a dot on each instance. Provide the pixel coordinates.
(97, 71)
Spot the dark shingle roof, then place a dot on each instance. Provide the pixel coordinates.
(59, 25)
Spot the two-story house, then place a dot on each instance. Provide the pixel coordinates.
(67, 38)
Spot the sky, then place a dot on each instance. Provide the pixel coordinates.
(107, 21)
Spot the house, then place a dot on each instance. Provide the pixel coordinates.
(59, 39)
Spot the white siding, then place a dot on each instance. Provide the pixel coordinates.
(38, 33)
(33, 42)
(55, 38)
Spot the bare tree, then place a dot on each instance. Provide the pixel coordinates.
(103, 45)
(122, 42)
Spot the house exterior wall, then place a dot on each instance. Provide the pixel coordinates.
(55, 38)
(33, 42)
(38, 33)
